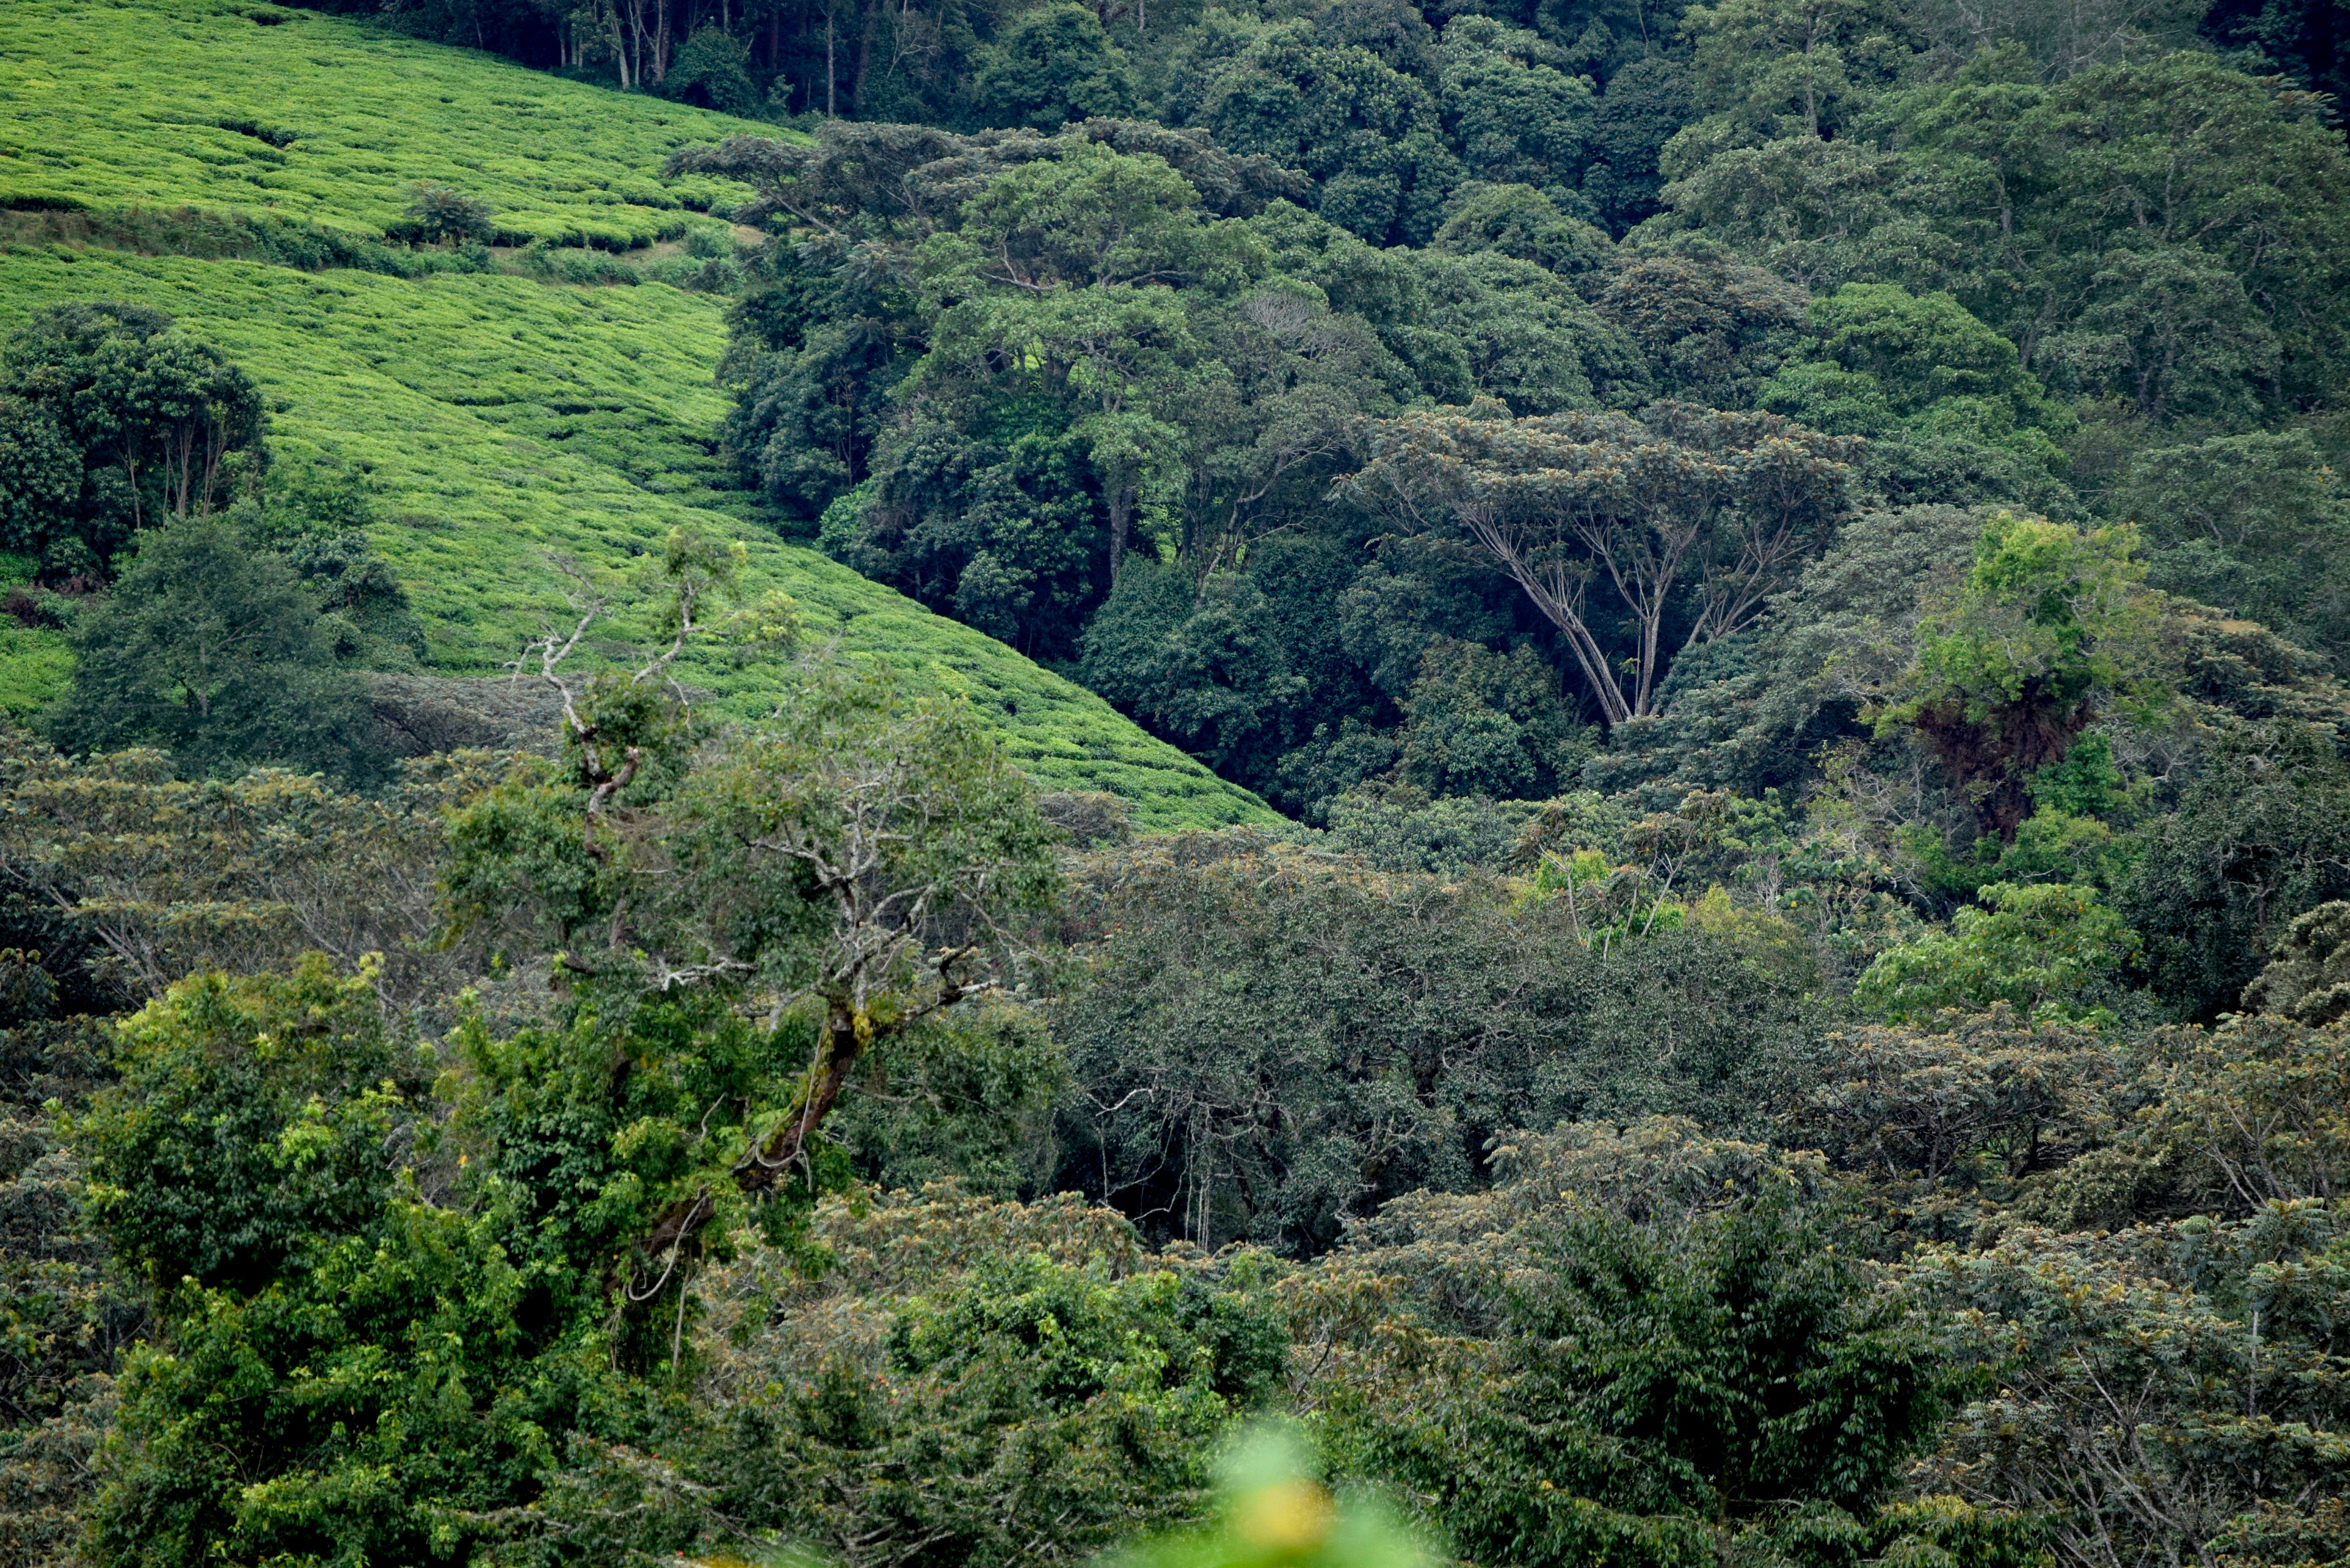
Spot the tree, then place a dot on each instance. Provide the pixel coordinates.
(1521, 223)
(1094, 215)
(41, 476)
(818, 353)
(1638, 1341)
(238, 1167)
(1267, 1047)
(1513, 116)
(2050, 46)
(1019, 311)
(1818, 213)
(1477, 724)
(1279, 415)
(2188, 205)
(2304, 39)
(2173, 329)
(1360, 122)
(2046, 950)
(2249, 523)
(1976, 1099)
(2260, 837)
(1210, 666)
(1780, 68)
(2048, 624)
(1052, 66)
(212, 650)
(2164, 1392)
(808, 414)
(68, 1309)
(819, 861)
(2307, 980)
(158, 424)
(714, 70)
(1646, 102)
(2244, 1119)
(169, 878)
(1926, 352)
(445, 215)
(1525, 336)
(1017, 1384)
(1721, 508)
(1703, 320)
(1948, 407)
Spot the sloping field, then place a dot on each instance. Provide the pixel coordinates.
(206, 103)
(501, 418)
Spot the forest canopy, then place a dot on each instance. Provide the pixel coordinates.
(1205, 347)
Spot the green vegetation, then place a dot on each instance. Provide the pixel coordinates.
(115, 422)
(559, 1223)
(210, 649)
(1784, 551)
(1354, 342)
(34, 665)
(222, 106)
(577, 426)
(581, 425)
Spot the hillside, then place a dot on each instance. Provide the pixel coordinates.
(213, 104)
(501, 418)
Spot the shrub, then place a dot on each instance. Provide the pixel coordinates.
(2046, 949)
(216, 652)
(442, 215)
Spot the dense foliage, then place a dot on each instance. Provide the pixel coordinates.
(1363, 349)
(1783, 559)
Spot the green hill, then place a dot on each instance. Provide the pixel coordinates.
(213, 104)
(501, 417)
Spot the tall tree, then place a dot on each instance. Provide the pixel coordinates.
(1687, 515)
(157, 423)
(852, 856)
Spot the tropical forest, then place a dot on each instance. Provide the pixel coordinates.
(1174, 784)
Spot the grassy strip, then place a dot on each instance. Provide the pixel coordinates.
(242, 106)
(502, 419)
(34, 665)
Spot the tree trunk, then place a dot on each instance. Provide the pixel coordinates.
(619, 41)
(864, 59)
(1558, 597)
(177, 486)
(1121, 516)
(1651, 628)
(768, 1163)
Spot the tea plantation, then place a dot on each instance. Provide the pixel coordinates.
(209, 104)
(499, 419)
